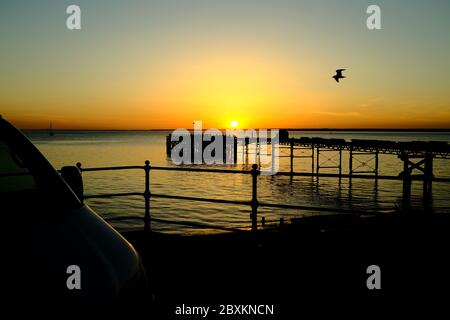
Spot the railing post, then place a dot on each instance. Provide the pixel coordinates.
(147, 196)
(254, 203)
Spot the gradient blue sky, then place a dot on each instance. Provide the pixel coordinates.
(264, 63)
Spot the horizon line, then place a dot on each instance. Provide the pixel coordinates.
(288, 129)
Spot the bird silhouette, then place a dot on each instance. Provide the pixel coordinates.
(338, 75)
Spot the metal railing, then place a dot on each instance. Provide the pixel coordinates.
(254, 203)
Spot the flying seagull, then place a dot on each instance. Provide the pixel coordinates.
(338, 75)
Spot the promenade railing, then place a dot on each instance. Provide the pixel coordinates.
(253, 203)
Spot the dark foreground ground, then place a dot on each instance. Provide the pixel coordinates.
(315, 264)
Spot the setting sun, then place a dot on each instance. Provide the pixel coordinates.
(234, 124)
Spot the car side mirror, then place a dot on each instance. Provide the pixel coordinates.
(72, 176)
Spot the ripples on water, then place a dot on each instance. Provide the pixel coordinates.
(97, 149)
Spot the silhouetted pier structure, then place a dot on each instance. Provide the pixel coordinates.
(199, 141)
(417, 158)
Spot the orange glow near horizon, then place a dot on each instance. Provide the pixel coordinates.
(264, 65)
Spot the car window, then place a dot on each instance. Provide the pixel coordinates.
(30, 189)
(14, 175)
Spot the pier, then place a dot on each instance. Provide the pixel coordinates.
(199, 141)
(417, 158)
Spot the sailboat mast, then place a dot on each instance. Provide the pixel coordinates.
(51, 133)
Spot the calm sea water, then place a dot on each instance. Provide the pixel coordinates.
(97, 149)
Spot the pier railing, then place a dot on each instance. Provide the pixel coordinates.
(253, 203)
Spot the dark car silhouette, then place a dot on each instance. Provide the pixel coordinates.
(47, 229)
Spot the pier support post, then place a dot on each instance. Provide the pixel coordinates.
(312, 158)
(257, 151)
(377, 152)
(246, 142)
(235, 149)
(254, 202)
(273, 155)
(292, 155)
(147, 196)
(350, 163)
(169, 144)
(428, 179)
(406, 175)
(317, 160)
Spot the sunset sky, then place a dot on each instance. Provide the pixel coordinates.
(268, 64)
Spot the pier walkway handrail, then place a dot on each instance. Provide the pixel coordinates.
(438, 149)
(254, 203)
